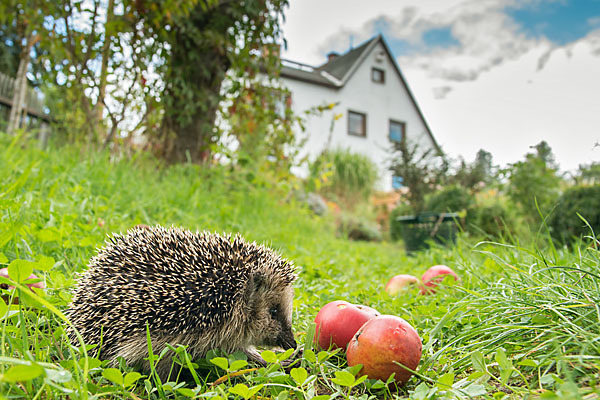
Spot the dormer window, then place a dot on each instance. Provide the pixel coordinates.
(377, 75)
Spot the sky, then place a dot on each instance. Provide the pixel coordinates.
(498, 75)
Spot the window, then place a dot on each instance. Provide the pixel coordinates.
(397, 129)
(357, 124)
(397, 182)
(378, 75)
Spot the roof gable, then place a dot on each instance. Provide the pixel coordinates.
(344, 64)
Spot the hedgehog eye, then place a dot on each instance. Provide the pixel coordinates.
(274, 311)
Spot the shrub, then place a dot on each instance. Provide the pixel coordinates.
(395, 225)
(450, 199)
(494, 219)
(357, 228)
(346, 175)
(565, 224)
(534, 183)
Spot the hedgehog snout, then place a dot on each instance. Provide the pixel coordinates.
(286, 339)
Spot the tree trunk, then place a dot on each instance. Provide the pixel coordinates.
(20, 91)
(197, 68)
(106, 54)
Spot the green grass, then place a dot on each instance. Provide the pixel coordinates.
(524, 321)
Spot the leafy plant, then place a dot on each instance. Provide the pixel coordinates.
(494, 217)
(451, 198)
(477, 175)
(421, 170)
(577, 214)
(534, 183)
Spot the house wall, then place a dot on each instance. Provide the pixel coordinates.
(380, 102)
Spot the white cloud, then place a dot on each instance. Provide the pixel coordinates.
(498, 89)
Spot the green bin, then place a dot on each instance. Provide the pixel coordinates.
(418, 229)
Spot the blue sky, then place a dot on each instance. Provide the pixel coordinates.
(501, 75)
(561, 22)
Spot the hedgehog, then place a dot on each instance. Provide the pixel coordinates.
(201, 290)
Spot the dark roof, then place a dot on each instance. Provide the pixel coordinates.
(341, 65)
(335, 73)
(305, 75)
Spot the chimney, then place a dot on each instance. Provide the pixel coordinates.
(332, 56)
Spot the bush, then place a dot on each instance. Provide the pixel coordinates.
(450, 199)
(395, 225)
(345, 175)
(564, 223)
(356, 228)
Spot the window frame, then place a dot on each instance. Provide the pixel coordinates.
(364, 123)
(382, 71)
(401, 123)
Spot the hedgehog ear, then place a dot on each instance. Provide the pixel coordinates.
(256, 284)
(258, 281)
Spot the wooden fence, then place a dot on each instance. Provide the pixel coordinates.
(34, 100)
(34, 108)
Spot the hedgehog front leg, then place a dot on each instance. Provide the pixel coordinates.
(254, 356)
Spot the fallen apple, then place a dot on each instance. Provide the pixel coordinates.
(40, 284)
(399, 283)
(433, 276)
(383, 345)
(338, 321)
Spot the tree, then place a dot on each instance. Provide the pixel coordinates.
(10, 49)
(214, 37)
(422, 172)
(476, 175)
(98, 85)
(146, 66)
(588, 174)
(534, 181)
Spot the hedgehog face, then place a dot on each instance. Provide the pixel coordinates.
(272, 316)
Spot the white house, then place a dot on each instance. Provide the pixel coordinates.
(373, 97)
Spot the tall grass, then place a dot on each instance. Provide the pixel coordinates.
(349, 176)
(523, 322)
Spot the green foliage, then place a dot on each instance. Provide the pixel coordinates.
(350, 177)
(205, 43)
(261, 120)
(9, 54)
(494, 217)
(578, 207)
(487, 213)
(421, 171)
(534, 183)
(477, 175)
(451, 198)
(588, 174)
(395, 225)
(123, 68)
(359, 228)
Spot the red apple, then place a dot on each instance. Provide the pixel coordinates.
(399, 283)
(338, 321)
(40, 284)
(383, 342)
(433, 276)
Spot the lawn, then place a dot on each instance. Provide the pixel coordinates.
(523, 322)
